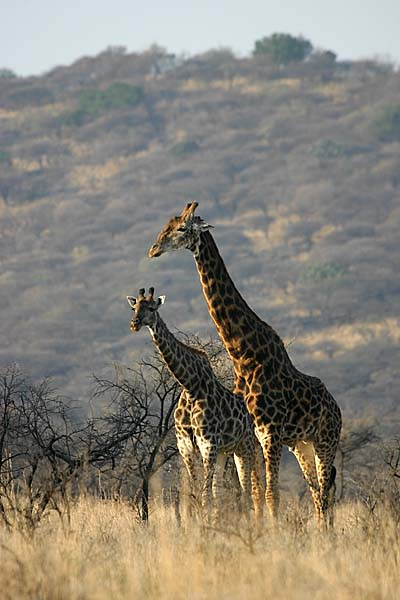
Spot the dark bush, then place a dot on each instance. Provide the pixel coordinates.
(116, 96)
(283, 48)
(122, 95)
(386, 125)
(95, 102)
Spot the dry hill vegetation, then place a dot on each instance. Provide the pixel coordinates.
(297, 168)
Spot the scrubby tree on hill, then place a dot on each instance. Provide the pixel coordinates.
(118, 95)
(7, 74)
(283, 48)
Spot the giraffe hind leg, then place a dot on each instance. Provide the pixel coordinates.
(305, 455)
(332, 496)
(243, 463)
(326, 471)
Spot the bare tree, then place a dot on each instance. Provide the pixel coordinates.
(142, 402)
(36, 439)
(354, 438)
(46, 450)
(391, 458)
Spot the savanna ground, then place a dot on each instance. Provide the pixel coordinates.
(104, 551)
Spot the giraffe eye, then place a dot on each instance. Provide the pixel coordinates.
(183, 228)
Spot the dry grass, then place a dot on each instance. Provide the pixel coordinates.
(243, 84)
(352, 335)
(96, 177)
(106, 553)
(275, 235)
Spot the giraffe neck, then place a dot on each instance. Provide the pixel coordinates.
(190, 367)
(237, 324)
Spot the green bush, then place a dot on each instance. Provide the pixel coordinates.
(92, 103)
(386, 125)
(116, 96)
(123, 95)
(328, 149)
(283, 48)
(7, 74)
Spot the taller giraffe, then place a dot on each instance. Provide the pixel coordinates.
(287, 406)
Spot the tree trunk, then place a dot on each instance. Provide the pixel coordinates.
(145, 500)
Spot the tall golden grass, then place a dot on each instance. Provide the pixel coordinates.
(104, 552)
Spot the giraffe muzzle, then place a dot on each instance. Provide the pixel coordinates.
(135, 324)
(154, 251)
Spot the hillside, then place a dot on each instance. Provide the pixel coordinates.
(297, 168)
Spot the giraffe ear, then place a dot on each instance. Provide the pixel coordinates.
(202, 226)
(131, 301)
(160, 300)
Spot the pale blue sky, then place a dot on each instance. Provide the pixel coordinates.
(36, 35)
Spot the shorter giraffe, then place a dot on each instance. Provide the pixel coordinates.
(208, 416)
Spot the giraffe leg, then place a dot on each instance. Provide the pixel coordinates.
(244, 463)
(189, 455)
(326, 471)
(248, 462)
(304, 452)
(209, 456)
(218, 485)
(257, 484)
(272, 449)
(331, 497)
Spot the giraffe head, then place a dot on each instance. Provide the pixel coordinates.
(180, 232)
(145, 309)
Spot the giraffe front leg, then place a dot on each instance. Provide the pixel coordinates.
(257, 485)
(209, 456)
(189, 455)
(218, 486)
(249, 462)
(244, 463)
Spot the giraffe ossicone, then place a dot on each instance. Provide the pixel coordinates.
(288, 407)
